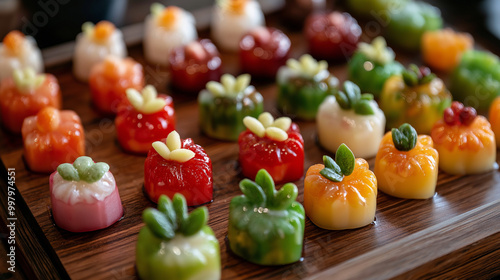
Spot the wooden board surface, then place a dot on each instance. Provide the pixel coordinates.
(453, 234)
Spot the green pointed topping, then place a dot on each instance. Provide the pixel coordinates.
(351, 98)
(363, 107)
(195, 221)
(68, 172)
(166, 207)
(405, 137)
(252, 191)
(286, 196)
(343, 165)
(180, 208)
(413, 76)
(84, 169)
(158, 223)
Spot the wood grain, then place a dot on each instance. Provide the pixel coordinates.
(409, 239)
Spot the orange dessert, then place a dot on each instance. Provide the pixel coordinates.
(340, 194)
(51, 138)
(442, 49)
(406, 165)
(495, 119)
(464, 140)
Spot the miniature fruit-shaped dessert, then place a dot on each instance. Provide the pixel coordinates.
(192, 66)
(442, 49)
(495, 119)
(332, 36)
(110, 79)
(372, 65)
(273, 145)
(94, 44)
(165, 29)
(407, 165)
(176, 245)
(476, 80)
(18, 52)
(232, 19)
(417, 97)
(408, 23)
(263, 51)
(84, 196)
(51, 138)
(340, 194)
(303, 85)
(266, 226)
(351, 118)
(178, 167)
(224, 105)
(144, 119)
(25, 94)
(464, 140)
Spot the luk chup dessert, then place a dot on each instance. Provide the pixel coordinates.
(341, 193)
(94, 44)
(273, 145)
(443, 49)
(25, 94)
(84, 196)
(232, 19)
(464, 140)
(224, 105)
(352, 118)
(144, 118)
(193, 65)
(494, 117)
(272, 233)
(303, 85)
(110, 79)
(165, 29)
(178, 166)
(416, 97)
(407, 164)
(19, 52)
(52, 137)
(176, 245)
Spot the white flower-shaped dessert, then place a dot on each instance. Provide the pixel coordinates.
(171, 149)
(147, 101)
(17, 52)
(267, 126)
(352, 118)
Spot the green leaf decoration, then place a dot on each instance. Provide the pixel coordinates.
(352, 91)
(367, 96)
(332, 170)
(405, 137)
(343, 100)
(266, 182)
(166, 207)
(180, 208)
(84, 169)
(331, 164)
(364, 108)
(158, 223)
(351, 98)
(286, 196)
(95, 172)
(413, 76)
(195, 221)
(252, 191)
(82, 164)
(68, 172)
(343, 165)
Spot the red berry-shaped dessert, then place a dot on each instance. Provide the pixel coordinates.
(273, 145)
(177, 166)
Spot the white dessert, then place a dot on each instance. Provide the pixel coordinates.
(26, 55)
(73, 192)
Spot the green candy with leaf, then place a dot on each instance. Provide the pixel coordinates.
(266, 226)
(83, 169)
(176, 245)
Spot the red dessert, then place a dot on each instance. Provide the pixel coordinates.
(51, 138)
(263, 51)
(192, 66)
(146, 117)
(178, 167)
(332, 36)
(273, 145)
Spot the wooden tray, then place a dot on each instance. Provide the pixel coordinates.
(454, 234)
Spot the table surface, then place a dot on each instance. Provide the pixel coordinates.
(453, 234)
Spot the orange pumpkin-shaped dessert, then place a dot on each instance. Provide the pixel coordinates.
(443, 49)
(495, 119)
(464, 140)
(406, 165)
(340, 194)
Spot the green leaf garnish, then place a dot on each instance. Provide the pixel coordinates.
(405, 137)
(363, 107)
(351, 98)
(343, 165)
(84, 169)
(252, 191)
(158, 223)
(195, 221)
(68, 172)
(413, 76)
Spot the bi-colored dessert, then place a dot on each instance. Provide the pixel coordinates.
(146, 117)
(443, 49)
(176, 245)
(94, 44)
(371, 65)
(407, 164)
(19, 52)
(232, 19)
(165, 29)
(52, 137)
(84, 196)
(110, 79)
(341, 193)
(352, 118)
(494, 117)
(25, 94)
(476, 80)
(332, 36)
(193, 65)
(416, 97)
(303, 85)
(464, 140)
(224, 105)
(266, 226)
(177, 166)
(273, 145)
(263, 51)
